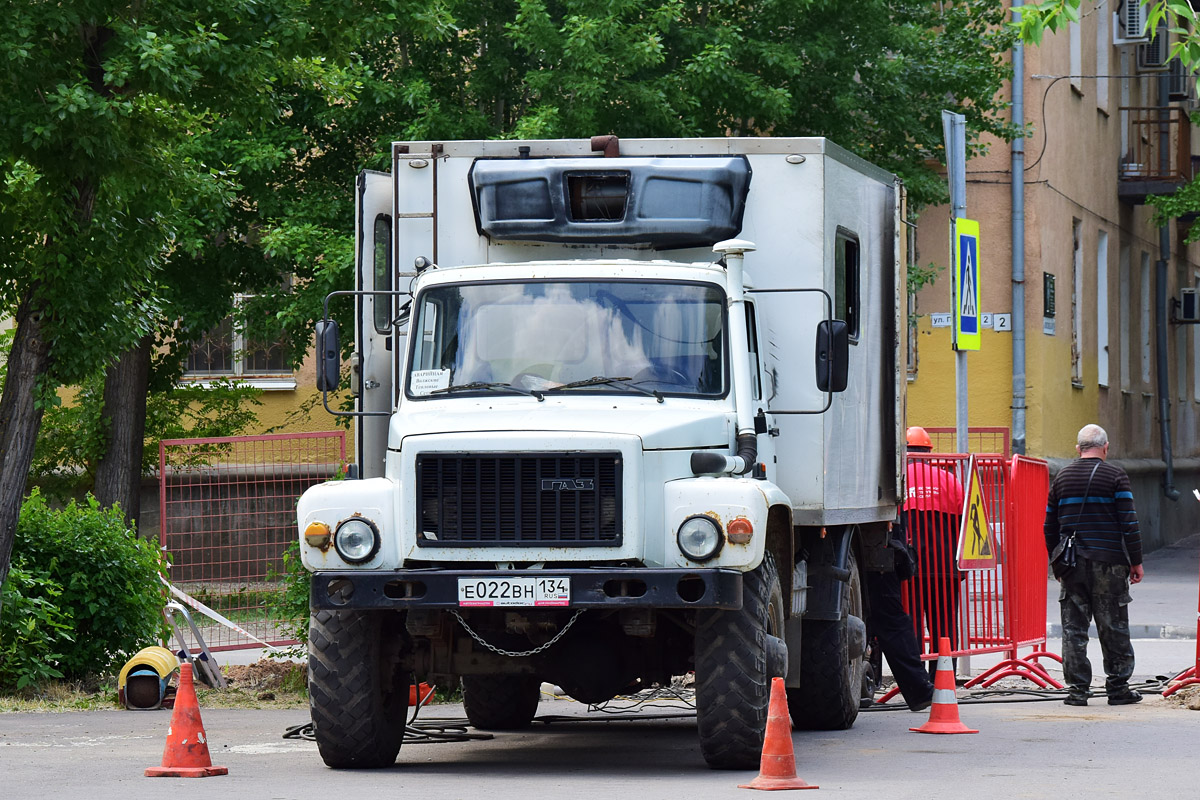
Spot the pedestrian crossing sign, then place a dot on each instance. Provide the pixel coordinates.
(967, 316)
(976, 543)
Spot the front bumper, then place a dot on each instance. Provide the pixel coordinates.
(590, 588)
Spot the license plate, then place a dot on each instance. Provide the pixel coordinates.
(541, 591)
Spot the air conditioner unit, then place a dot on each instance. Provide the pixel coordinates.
(1179, 82)
(1152, 55)
(1189, 306)
(1129, 24)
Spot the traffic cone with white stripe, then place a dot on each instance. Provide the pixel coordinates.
(943, 714)
(186, 754)
(778, 765)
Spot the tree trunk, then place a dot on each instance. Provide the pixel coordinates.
(119, 473)
(20, 418)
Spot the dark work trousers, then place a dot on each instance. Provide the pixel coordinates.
(888, 622)
(1099, 591)
(934, 592)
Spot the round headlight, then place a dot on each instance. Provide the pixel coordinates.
(356, 540)
(699, 538)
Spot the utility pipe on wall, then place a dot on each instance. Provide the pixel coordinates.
(1017, 165)
(1160, 299)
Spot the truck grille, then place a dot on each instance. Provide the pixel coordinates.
(502, 499)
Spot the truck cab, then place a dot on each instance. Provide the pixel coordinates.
(620, 415)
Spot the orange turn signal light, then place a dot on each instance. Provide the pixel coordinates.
(739, 530)
(317, 534)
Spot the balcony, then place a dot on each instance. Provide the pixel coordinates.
(1159, 159)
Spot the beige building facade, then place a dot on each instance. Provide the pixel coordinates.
(1098, 338)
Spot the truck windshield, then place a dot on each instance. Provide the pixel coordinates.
(629, 336)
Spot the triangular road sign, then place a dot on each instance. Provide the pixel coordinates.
(976, 544)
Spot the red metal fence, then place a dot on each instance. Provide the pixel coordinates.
(997, 610)
(228, 510)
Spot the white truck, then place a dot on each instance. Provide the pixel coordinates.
(625, 410)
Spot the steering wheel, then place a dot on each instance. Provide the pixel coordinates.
(658, 373)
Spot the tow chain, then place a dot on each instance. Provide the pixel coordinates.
(510, 653)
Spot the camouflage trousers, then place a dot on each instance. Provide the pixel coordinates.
(1099, 591)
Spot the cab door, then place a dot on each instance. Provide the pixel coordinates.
(375, 333)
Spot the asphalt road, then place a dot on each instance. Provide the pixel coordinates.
(1023, 750)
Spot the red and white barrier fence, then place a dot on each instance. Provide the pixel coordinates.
(1000, 609)
(1191, 675)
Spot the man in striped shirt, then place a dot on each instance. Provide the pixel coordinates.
(1091, 498)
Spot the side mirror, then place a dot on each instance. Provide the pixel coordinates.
(329, 359)
(833, 355)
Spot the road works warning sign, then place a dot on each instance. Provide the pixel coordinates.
(976, 545)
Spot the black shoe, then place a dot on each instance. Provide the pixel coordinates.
(920, 705)
(1075, 700)
(1125, 698)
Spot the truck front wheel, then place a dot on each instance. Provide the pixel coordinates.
(832, 665)
(357, 693)
(501, 702)
(737, 654)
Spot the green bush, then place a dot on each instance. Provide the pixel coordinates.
(292, 603)
(100, 579)
(34, 632)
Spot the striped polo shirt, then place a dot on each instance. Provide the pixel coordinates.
(1105, 521)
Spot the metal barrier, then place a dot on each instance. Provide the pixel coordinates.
(228, 513)
(995, 610)
(1191, 675)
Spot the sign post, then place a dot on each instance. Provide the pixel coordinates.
(954, 129)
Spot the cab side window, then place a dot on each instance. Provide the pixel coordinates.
(847, 280)
(381, 273)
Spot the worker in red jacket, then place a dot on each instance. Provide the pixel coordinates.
(932, 513)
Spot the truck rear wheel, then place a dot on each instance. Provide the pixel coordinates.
(831, 669)
(357, 693)
(735, 661)
(501, 702)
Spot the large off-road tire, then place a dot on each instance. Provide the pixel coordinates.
(501, 702)
(831, 673)
(734, 671)
(356, 691)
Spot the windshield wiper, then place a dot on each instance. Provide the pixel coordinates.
(601, 379)
(491, 387)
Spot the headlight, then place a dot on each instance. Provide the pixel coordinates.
(356, 540)
(699, 538)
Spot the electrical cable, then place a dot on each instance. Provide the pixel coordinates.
(1154, 685)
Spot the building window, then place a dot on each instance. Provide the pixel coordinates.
(1195, 348)
(1145, 316)
(846, 281)
(225, 352)
(1075, 45)
(1124, 316)
(1103, 48)
(1077, 302)
(1102, 308)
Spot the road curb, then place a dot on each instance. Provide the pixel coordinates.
(1136, 631)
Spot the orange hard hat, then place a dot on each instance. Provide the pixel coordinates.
(918, 437)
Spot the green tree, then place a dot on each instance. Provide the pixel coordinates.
(107, 178)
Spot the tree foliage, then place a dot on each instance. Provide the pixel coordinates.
(154, 158)
(1176, 16)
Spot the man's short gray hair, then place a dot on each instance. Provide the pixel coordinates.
(1091, 436)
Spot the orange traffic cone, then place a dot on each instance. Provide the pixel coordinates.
(186, 753)
(943, 715)
(778, 767)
